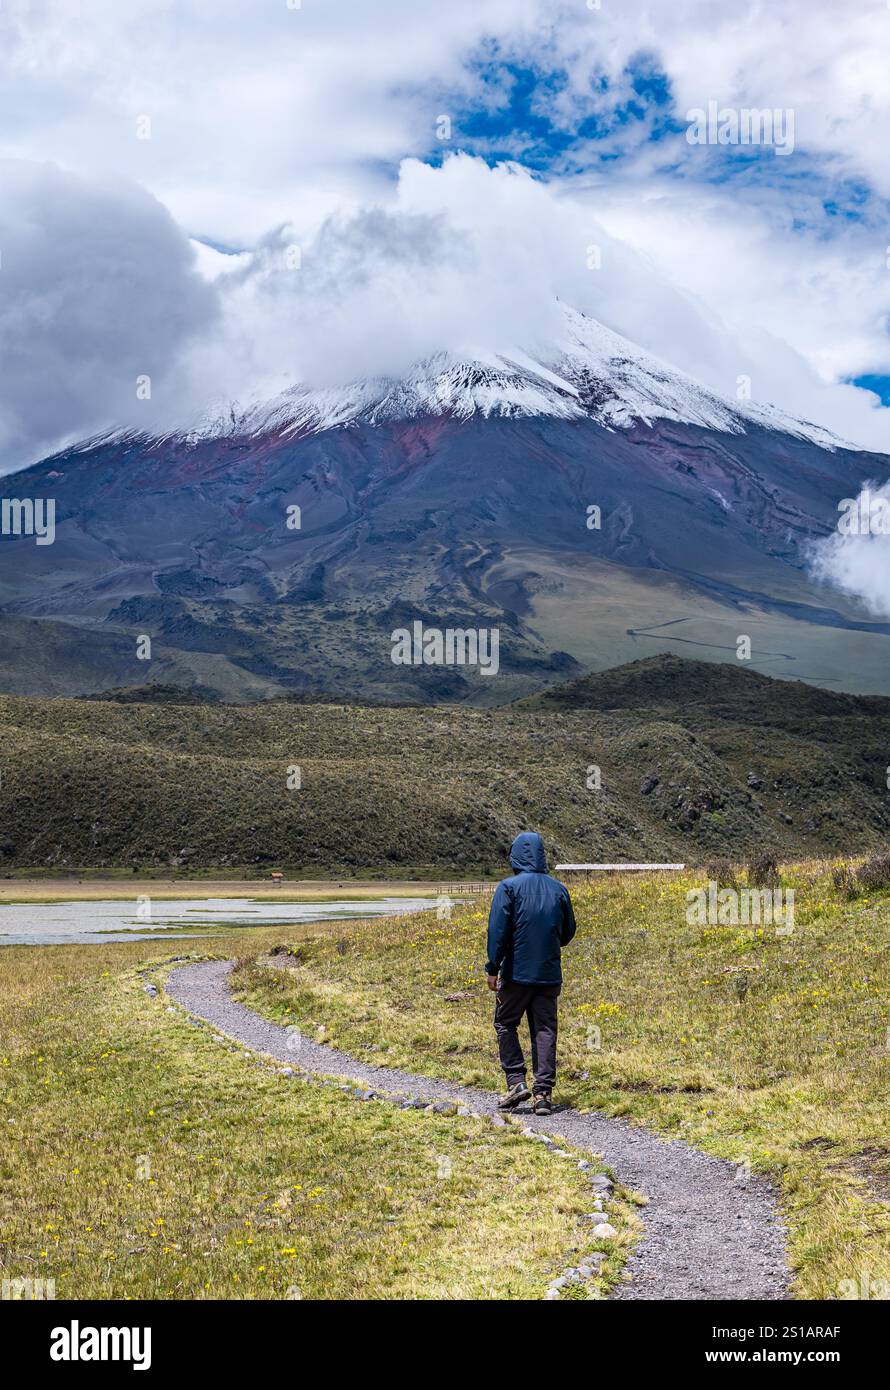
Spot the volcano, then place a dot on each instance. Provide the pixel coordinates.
(590, 502)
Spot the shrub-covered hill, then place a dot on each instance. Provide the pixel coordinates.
(662, 758)
(708, 691)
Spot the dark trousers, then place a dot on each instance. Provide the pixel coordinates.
(539, 1004)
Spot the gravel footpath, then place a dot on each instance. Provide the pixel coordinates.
(709, 1231)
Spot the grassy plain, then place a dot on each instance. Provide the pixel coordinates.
(144, 1158)
(771, 1050)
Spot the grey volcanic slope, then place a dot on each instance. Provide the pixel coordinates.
(457, 522)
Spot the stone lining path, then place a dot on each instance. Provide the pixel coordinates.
(709, 1232)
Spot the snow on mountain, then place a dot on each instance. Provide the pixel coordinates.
(591, 372)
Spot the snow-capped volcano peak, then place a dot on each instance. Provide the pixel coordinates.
(587, 371)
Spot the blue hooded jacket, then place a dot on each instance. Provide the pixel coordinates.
(531, 919)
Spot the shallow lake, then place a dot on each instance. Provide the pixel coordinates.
(58, 924)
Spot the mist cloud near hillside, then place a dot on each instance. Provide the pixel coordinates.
(859, 564)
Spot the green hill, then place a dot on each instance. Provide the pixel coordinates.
(694, 760)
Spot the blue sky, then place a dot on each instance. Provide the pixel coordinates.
(514, 115)
(880, 384)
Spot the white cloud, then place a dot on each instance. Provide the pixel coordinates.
(805, 310)
(265, 116)
(858, 562)
(465, 256)
(260, 114)
(265, 113)
(98, 287)
(462, 257)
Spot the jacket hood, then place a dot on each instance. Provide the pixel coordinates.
(527, 853)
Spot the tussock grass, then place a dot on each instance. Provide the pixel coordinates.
(871, 876)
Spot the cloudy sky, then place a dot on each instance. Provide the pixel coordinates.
(229, 195)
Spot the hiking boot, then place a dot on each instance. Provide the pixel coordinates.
(543, 1104)
(515, 1096)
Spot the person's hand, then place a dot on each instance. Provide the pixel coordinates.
(492, 981)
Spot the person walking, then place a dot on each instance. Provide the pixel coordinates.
(530, 921)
